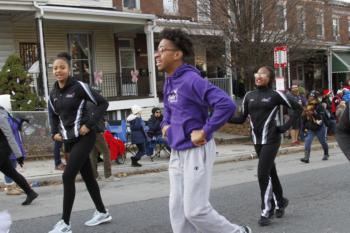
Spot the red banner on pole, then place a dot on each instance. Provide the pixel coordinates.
(280, 57)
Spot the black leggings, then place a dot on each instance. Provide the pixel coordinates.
(79, 161)
(270, 186)
(7, 168)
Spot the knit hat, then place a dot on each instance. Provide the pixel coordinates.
(155, 109)
(326, 92)
(136, 109)
(313, 93)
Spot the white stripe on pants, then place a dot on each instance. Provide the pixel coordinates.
(190, 177)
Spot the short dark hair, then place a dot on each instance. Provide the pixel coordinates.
(65, 56)
(180, 39)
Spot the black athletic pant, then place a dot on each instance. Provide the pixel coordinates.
(7, 168)
(79, 161)
(270, 186)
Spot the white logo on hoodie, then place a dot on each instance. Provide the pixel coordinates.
(172, 98)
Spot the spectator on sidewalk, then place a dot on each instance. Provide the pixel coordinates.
(155, 132)
(74, 126)
(59, 165)
(8, 145)
(261, 105)
(296, 125)
(187, 98)
(138, 134)
(340, 110)
(100, 147)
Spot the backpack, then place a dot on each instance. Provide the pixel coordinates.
(16, 126)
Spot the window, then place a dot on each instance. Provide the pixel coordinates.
(281, 17)
(300, 19)
(28, 53)
(349, 29)
(203, 10)
(80, 47)
(335, 27)
(170, 6)
(319, 24)
(131, 4)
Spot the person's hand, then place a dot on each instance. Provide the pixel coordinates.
(319, 122)
(84, 130)
(20, 161)
(57, 137)
(198, 137)
(164, 130)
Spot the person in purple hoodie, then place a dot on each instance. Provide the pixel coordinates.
(187, 99)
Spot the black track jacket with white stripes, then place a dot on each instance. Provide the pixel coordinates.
(261, 105)
(67, 108)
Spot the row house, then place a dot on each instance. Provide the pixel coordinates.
(112, 44)
(326, 28)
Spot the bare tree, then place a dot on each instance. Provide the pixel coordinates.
(254, 28)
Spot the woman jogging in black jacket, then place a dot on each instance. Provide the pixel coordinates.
(261, 105)
(73, 124)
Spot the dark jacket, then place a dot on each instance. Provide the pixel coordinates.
(67, 108)
(343, 132)
(138, 134)
(261, 106)
(154, 129)
(311, 124)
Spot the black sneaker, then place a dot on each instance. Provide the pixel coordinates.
(280, 211)
(304, 160)
(264, 221)
(246, 229)
(134, 162)
(325, 157)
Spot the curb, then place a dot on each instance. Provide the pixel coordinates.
(160, 166)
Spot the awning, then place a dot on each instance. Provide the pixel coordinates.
(340, 62)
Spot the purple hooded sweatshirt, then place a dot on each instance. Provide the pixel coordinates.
(187, 99)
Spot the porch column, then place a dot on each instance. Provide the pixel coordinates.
(149, 27)
(42, 56)
(330, 71)
(228, 61)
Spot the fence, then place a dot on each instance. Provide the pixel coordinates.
(222, 83)
(36, 135)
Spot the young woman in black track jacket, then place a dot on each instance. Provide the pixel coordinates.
(262, 105)
(73, 124)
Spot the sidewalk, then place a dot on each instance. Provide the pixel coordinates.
(42, 172)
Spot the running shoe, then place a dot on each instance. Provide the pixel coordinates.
(99, 218)
(61, 227)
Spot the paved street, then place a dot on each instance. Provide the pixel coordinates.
(318, 193)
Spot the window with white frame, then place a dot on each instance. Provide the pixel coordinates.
(171, 7)
(301, 19)
(281, 16)
(203, 10)
(319, 23)
(80, 47)
(131, 4)
(335, 27)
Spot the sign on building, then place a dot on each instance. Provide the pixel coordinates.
(280, 57)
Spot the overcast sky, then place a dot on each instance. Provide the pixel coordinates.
(345, 1)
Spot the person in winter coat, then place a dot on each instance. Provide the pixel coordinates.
(138, 134)
(189, 129)
(314, 126)
(72, 124)
(154, 130)
(9, 145)
(261, 105)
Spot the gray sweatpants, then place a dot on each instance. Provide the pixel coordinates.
(190, 177)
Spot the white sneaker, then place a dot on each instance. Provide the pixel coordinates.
(99, 218)
(61, 227)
